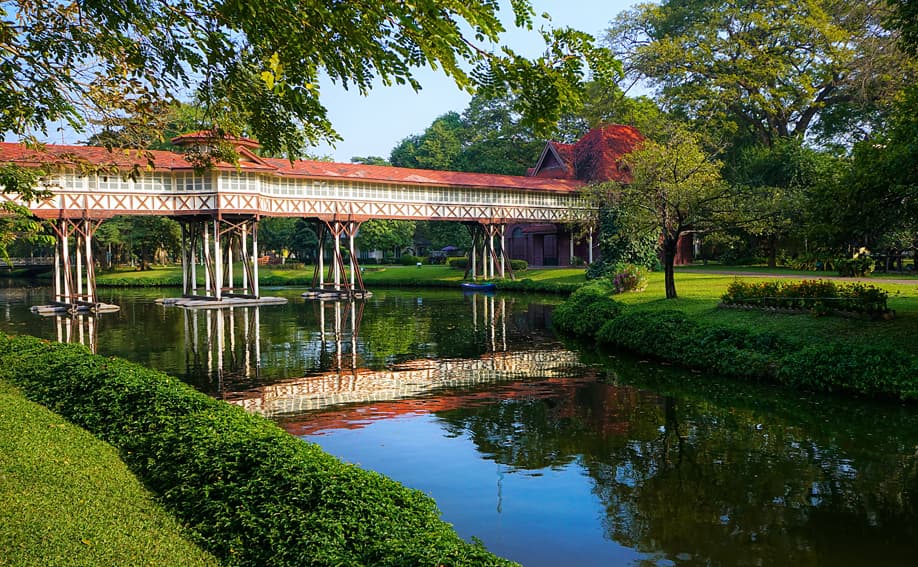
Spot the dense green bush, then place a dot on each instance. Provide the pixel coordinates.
(519, 265)
(870, 370)
(409, 260)
(460, 262)
(819, 296)
(854, 267)
(655, 333)
(672, 335)
(249, 493)
(587, 309)
(529, 285)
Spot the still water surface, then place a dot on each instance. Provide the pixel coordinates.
(548, 453)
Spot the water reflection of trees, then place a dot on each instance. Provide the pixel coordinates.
(725, 475)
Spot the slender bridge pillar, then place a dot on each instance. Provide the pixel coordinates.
(74, 269)
(342, 279)
(220, 245)
(488, 254)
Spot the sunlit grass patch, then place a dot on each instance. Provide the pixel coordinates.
(68, 499)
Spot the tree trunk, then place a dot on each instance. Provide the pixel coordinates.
(669, 261)
(772, 252)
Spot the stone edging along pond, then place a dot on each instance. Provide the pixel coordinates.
(248, 492)
(870, 370)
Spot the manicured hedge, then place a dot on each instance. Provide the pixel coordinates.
(249, 493)
(587, 309)
(672, 335)
(819, 296)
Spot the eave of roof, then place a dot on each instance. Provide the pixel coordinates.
(164, 161)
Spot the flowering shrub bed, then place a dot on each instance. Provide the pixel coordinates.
(818, 296)
(629, 277)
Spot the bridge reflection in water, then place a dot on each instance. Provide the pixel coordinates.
(238, 357)
(81, 328)
(347, 384)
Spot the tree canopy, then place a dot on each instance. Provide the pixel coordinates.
(676, 186)
(259, 64)
(768, 68)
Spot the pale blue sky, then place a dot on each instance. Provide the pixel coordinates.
(374, 124)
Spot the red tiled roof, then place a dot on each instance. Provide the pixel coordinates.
(387, 174)
(167, 161)
(75, 155)
(597, 156)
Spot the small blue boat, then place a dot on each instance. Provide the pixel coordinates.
(471, 286)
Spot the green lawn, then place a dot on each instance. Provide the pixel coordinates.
(379, 275)
(803, 274)
(700, 293)
(68, 499)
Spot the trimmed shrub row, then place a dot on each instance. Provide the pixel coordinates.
(819, 296)
(249, 493)
(671, 335)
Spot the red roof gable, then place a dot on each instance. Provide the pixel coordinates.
(595, 157)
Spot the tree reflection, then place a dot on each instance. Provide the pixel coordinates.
(702, 476)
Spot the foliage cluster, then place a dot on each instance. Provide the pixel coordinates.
(620, 241)
(869, 370)
(629, 277)
(248, 492)
(857, 267)
(409, 260)
(587, 309)
(819, 296)
(539, 286)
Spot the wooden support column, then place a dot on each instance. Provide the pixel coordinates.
(590, 246)
(502, 228)
(570, 257)
(474, 263)
(255, 286)
(88, 230)
(218, 262)
(491, 251)
(193, 246)
(243, 255)
(208, 265)
(185, 254)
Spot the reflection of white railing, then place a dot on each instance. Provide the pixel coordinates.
(406, 380)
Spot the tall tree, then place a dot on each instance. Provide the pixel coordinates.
(772, 186)
(770, 68)
(437, 148)
(676, 186)
(385, 235)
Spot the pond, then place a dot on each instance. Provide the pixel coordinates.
(549, 453)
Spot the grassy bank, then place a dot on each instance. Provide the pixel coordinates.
(871, 358)
(563, 280)
(68, 499)
(248, 492)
